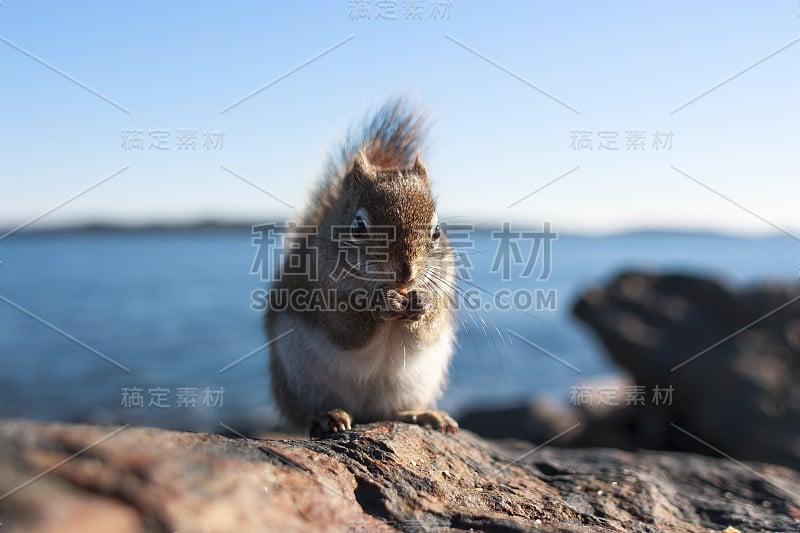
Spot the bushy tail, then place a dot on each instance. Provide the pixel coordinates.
(391, 137)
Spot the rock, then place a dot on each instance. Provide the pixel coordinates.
(536, 421)
(732, 358)
(380, 477)
(593, 424)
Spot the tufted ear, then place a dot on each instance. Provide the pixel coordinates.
(361, 164)
(420, 169)
(361, 169)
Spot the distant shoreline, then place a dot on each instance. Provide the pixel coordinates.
(160, 227)
(214, 226)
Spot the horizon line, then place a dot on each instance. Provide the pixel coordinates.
(200, 224)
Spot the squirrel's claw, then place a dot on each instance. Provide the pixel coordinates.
(333, 421)
(432, 419)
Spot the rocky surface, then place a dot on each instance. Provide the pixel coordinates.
(381, 477)
(730, 357)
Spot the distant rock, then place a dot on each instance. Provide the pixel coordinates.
(536, 421)
(380, 477)
(732, 358)
(543, 418)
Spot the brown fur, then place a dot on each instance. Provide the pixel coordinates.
(381, 170)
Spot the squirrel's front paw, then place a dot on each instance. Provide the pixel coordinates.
(396, 304)
(333, 421)
(433, 419)
(419, 303)
(409, 306)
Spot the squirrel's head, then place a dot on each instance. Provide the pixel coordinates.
(390, 217)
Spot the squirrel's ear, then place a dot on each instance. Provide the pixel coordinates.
(419, 168)
(361, 167)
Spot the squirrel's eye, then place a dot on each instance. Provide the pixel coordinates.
(437, 232)
(359, 224)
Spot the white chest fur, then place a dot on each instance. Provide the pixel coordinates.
(392, 373)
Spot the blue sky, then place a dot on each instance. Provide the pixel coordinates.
(623, 66)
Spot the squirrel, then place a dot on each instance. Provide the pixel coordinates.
(376, 234)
